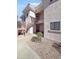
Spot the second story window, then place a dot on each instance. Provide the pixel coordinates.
(51, 0)
(27, 14)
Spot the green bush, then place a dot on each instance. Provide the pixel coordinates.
(18, 24)
(35, 39)
(39, 34)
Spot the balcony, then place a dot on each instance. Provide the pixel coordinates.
(40, 21)
(40, 17)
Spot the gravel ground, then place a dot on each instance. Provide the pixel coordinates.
(44, 49)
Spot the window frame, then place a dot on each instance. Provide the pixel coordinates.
(54, 25)
(51, 0)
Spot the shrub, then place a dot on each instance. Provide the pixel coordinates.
(57, 46)
(39, 34)
(18, 24)
(35, 39)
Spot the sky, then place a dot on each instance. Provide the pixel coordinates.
(21, 4)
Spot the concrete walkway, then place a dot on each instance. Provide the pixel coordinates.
(24, 51)
(44, 49)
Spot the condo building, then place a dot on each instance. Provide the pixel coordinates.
(45, 18)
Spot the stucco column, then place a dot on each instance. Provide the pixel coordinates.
(30, 30)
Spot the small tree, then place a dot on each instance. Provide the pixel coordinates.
(18, 24)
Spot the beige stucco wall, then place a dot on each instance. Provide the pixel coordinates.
(51, 14)
(41, 21)
(40, 18)
(45, 3)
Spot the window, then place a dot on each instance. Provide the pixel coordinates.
(55, 25)
(50, 0)
(27, 14)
